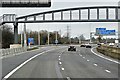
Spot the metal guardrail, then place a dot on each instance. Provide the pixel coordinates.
(12, 51)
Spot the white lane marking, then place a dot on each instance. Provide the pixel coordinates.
(88, 60)
(63, 69)
(59, 59)
(104, 57)
(1, 58)
(108, 71)
(68, 78)
(95, 65)
(83, 57)
(60, 63)
(58, 72)
(25, 62)
(80, 54)
(59, 56)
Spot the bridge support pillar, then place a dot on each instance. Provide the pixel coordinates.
(15, 33)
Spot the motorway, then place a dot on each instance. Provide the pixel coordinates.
(57, 62)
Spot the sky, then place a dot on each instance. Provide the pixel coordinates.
(76, 29)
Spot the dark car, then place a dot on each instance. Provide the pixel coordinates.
(88, 46)
(72, 48)
(82, 45)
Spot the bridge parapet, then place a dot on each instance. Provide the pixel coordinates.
(81, 14)
(13, 51)
(9, 17)
(84, 14)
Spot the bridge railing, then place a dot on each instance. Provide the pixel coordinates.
(13, 51)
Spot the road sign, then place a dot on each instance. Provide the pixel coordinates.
(100, 31)
(30, 40)
(103, 31)
(56, 41)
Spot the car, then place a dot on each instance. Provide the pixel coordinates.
(111, 44)
(82, 45)
(88, 46)
(72, 48)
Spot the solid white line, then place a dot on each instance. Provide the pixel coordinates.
(108, 71)
(21, 65)
(104, 57)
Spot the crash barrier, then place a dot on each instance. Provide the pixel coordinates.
(113, 52)
(12, 51)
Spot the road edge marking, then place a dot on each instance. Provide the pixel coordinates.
(104, 57)
(25, 62)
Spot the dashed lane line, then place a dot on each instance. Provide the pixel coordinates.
(62, 69)
(68, 78)
(88, 60)
(59, 59)
(95, 64)
(60, 63)
(83, 57)
(108, 71)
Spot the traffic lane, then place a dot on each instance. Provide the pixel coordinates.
(43, 66)
(10, 63)
(105, 64)
(78, 67)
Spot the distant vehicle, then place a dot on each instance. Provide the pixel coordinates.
(82, 45)
(111, 44)
(88, 46)
(72, 48)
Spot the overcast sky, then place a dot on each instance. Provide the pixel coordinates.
(75, 28)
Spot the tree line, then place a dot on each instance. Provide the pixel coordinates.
(7, 38)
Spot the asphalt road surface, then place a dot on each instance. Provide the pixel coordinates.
(59, 63)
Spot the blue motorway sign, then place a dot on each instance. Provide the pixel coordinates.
(100, 31)
(103, 31)
(30, 40)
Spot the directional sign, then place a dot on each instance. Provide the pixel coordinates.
(100, 31)
(30, 40)
(103, 31)
(56, 41)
